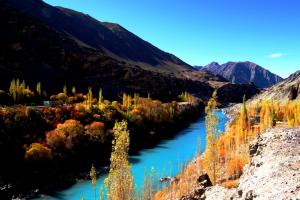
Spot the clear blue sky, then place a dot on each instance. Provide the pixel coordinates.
(266, 32)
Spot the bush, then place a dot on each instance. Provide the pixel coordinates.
(38, 152)
(96, 130)
(56, 140)
(235, 167)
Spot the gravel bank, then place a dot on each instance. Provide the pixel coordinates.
(272, 174)
(274, 170)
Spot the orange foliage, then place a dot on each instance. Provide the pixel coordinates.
(56, 139)
(65, 135)
(96, 129)
(232, 146)
(235, 166)
(230, 184)
(38, 152)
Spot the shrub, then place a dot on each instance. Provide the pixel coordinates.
(72, 130)
(235, 167)
(96, 130)
(56, 140)
(38, 152)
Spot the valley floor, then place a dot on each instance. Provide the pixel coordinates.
(273, 172)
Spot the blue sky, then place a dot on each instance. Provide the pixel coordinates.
(266, 32)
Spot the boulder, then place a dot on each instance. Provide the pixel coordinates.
(204, 180)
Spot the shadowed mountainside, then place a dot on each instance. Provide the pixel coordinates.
(111, 39)
(58, 46)
(33, 51)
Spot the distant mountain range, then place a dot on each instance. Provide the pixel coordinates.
(243, 72)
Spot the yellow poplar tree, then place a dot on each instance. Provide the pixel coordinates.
(119, 182)
(100, 99)
(212, 134)
(93, 175)
(39, 88)
(244, 121)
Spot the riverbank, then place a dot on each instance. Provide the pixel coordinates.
(63, 180)
(273, 172)
(166, 158)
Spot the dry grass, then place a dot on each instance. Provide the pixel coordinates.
(230, 184)
(233, 146)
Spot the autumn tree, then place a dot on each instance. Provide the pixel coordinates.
(93, 176)
(212, 134)
(39, 88)
(119, 182)
(89, 99)
(38, 152)
(100, 99)
(73, 90)
(126, 102)
(18, 90)
(136, 99)
(65, 90)
(148, 189)
(244, 121)
(66, 135)
(96, 130)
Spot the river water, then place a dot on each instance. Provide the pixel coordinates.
(166, 158)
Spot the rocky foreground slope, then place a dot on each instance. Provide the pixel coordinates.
(273, 172)
(289, 89)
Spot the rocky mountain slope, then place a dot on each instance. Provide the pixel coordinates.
(34, 51)
(273, 172)
(288, 89)
(111, 39)
(232, 93)
(244, 72)
(58, 46)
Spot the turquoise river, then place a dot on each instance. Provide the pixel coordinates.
(166, 158)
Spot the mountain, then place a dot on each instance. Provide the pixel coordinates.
(198, 67)
(111, 39)
(288, 89)
(59, 46)
(244, 72)
(32, 50)
(233, 93)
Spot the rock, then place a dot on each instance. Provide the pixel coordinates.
(197, 194)
(272, 172)
(293, 92)
(204, 180)
(249, 195)
(253, 149)
(168, 179)
(240, 193)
